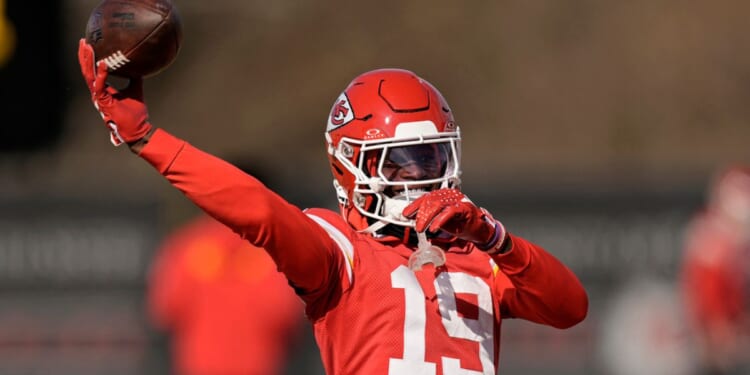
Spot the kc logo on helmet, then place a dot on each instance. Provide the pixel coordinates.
(341, 113)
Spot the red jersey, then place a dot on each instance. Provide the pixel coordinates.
(371, 313)
(227, 309)
(716, 278)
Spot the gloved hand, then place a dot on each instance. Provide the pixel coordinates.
(451, 211)
(123, 111)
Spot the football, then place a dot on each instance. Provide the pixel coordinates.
(135, 38)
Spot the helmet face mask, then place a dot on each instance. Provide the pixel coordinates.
(392, 174)
(391, 138)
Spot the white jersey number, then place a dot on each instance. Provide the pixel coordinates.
(447, 284)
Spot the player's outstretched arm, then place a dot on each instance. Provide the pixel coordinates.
(299, 246)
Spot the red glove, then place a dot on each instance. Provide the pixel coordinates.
(451, 211)
(124, 111)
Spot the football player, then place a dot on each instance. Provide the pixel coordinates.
(375, 307)
(715, 274)
(203, 291)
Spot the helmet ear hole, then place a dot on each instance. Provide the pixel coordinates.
(337, 169)
(346, 150)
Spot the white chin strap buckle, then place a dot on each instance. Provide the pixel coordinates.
(393, 208)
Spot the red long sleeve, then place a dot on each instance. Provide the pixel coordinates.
(302, 250)
(542, 290)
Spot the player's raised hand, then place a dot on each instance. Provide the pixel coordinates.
(124, 111)
(451, 211)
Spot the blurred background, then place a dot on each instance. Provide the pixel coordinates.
(591, 127)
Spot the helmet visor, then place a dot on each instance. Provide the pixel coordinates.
(421, 162)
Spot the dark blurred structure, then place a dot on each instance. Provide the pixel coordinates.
(71, 286)
(32, 99)
(610, 114)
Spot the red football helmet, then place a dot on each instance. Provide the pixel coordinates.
(391, 138)
(729, 195)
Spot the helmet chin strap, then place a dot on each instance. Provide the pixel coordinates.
(341, 195)
(374, 228)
